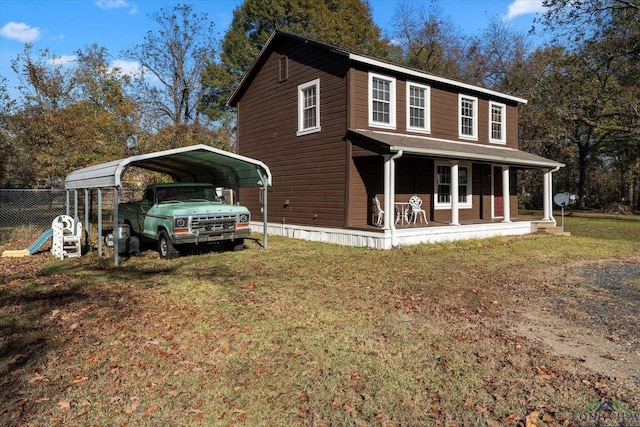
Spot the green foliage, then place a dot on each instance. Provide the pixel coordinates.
(71, 116)
(179, 136)
(344, 23)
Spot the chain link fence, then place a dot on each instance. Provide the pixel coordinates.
(38, 208)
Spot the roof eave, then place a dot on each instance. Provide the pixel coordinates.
(426, 76)
(475, 157)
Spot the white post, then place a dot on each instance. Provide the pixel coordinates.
(100, 222)
(506, 202)
(546, 197)
(388, 173)
(455, 217)
(550, 199)
(116, 245)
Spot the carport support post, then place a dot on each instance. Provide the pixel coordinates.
(99, 222)
(75, 205)
(116, 249)
(264, 214)
(86, 217)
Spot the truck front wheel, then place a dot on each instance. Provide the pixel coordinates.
(166, 248)
(234, 245)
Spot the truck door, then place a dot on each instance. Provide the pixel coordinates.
(145, 205)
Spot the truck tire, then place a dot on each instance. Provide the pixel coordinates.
(165, 247)
(234, 245)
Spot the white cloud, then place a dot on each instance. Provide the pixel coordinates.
(117, 4)
(127, 68)
(111, 4)
(20, 31)
(524, 7)
(63, 59)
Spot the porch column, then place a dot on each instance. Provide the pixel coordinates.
(455, 220)
(505, 195)
(389, 171)
(546, 195)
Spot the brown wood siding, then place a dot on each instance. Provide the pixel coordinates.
(366, 181)
(309, 171)
(444, 109)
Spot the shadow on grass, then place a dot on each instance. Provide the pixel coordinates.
(29, 332)
(43, 308)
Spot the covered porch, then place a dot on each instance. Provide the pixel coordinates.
(465, 190)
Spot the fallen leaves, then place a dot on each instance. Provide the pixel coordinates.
(37, 379)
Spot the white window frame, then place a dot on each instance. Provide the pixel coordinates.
(469, 194)
(427, 108)
(503, 123)
(392, 102)
(474, 127)
(302, 130)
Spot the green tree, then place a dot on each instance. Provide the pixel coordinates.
(344, 23)
(603, 37)
(6, 147)
(70, 115)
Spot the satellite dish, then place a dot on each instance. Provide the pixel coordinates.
(561, 199)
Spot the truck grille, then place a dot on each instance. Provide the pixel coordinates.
(212, 224)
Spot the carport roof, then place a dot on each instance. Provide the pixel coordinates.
(196, 163)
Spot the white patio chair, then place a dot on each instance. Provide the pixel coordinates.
(415, 210)
(377, 214)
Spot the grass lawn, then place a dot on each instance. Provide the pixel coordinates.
(506, 331)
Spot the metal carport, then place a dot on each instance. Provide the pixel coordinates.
(196, 163)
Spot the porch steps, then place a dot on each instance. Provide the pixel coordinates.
(548, 227)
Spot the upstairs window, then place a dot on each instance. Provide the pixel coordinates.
(468, 113)
(382, 101)
(497, 123)
(309, 107)
(418, 108)
(443, 186)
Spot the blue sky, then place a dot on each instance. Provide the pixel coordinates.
(67, 26)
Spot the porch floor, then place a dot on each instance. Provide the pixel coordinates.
(418, 224)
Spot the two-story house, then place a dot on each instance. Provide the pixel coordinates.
(342, 131)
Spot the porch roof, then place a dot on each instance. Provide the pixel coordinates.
(445, 149)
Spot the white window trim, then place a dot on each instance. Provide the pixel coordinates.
(392, 102)
(302, 130)
(466, 205)
(473, 137)
(427, 108)
(502, 140)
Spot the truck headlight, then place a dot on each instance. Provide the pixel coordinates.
(243, 218)
(180, 225)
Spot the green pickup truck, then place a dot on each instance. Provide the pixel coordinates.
(181, 214)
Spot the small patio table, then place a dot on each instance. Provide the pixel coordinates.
(402, 212)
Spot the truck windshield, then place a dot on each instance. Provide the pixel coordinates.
(186, 194)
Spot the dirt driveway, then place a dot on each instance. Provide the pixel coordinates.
(591, 312)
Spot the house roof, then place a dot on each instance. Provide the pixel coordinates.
(362, 59)
(196, 163)
(439, 148)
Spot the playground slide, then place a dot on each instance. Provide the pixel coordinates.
(33, 247)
